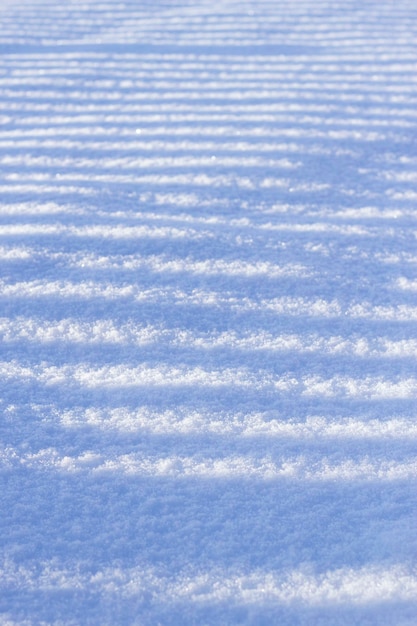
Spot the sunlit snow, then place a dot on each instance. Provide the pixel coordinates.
(208, 313)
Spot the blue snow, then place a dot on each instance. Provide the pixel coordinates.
(208, 313)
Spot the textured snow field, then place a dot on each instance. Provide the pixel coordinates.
(208, 313)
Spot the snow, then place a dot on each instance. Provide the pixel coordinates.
(208, 313)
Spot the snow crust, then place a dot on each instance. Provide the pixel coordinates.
(208, 313)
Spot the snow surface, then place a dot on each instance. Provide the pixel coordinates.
(208, 312)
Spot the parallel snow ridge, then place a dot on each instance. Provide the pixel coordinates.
(198, 298)
(122, 376)
(106, 331)
(265, 469)
(251, 425)
(346, 586)
(230, 24)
